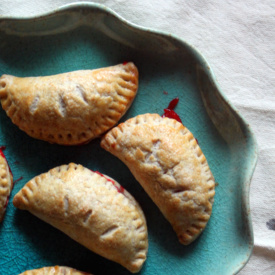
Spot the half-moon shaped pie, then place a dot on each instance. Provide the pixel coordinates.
(70, 108)
(6, 184)
(92, 209)
(54, 270)
(167, 161)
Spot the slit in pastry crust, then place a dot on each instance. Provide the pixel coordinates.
(70, 108)
(92, 209)
(167, 161)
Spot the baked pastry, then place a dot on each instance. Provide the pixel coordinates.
(167, 161)
(54, 270)
(92, 209)
(70, 108)
(6, 184)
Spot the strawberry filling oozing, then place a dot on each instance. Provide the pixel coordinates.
(169, 111)
(3, 155)
(119, 189)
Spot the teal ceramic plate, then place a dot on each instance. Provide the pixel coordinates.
(87, 36)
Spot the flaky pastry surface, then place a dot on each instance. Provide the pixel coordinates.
(92, 209)
(70, 108)
(6, 184)
(54, 270)
(167, 161)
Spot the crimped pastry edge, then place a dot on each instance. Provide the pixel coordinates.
(66, 137)
(21, 201)
(108, 142)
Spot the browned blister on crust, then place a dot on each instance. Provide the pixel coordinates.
(70, 108)
(54, 270)
(6, 184)
(167, 161)
(92, 209)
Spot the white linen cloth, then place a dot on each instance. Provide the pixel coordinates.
(238, 40)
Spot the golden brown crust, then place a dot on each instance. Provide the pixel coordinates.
(6, 184)
(54, 270)
(92, 209)
(166, 160)
(70, 108)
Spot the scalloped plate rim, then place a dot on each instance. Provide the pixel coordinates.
(250, 135)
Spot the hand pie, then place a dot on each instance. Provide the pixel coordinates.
(166, 160)
(54, 270)
(92, 209)
(6, 184)
(70, 108)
